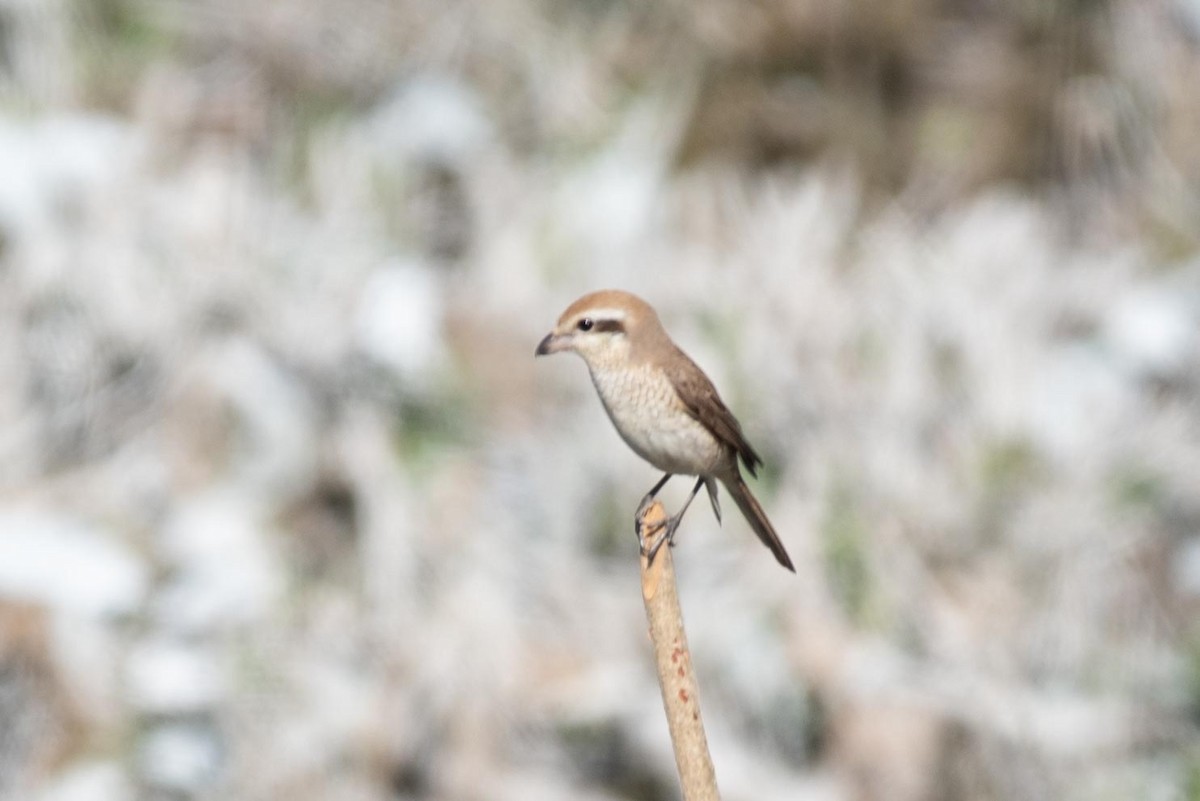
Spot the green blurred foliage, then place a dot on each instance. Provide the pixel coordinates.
(845, 540)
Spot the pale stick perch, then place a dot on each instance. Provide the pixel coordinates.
(681, 699)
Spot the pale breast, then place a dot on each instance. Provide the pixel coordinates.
(651, 419)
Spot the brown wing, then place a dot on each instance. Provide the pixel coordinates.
(703, 403)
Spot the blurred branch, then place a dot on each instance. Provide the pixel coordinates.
(681, 698)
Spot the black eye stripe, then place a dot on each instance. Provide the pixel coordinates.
(606, 326)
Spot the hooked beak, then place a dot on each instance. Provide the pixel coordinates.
(552, 343)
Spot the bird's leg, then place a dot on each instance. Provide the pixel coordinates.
(644, 507)
(673, 523)
(649, 499)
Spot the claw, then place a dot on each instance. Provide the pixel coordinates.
(672, 524)
(667, 536)
(643, 530)
(643, 507)
(649, 499)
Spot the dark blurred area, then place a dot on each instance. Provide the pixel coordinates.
(287, 509)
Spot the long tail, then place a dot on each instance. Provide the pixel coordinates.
(757, 519)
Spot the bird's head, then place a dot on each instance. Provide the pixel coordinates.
(606, 328)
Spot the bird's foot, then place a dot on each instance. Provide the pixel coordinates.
(648, 500)
(643, 507)
(647, 531)
(667, 536)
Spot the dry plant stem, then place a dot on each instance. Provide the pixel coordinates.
(680, 697)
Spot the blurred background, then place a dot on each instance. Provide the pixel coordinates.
(288, 510)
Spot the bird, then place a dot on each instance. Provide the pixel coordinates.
(662, 404)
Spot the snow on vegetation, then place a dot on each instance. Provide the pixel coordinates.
(287, 509)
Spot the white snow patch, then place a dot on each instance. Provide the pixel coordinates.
(179, 757)
(64, 564)
(170, 677)
(1077, 399)
(89, 781)
(430, 118)
(399, 319)
(55, 158)
(225, 573)
(1152, 330)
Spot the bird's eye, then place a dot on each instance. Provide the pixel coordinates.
(585, 324)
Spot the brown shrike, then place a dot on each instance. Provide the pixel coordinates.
(661, 403)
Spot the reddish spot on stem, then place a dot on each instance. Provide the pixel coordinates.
(681, 671)
(676, 652)
(683, 696)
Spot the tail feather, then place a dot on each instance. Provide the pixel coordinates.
(757, 519)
